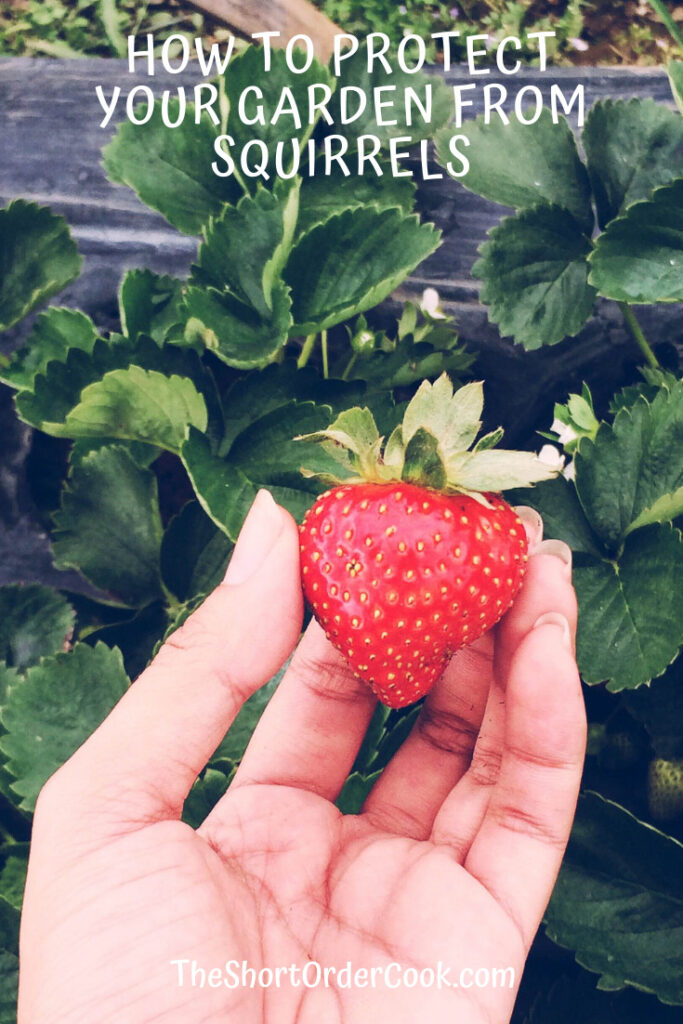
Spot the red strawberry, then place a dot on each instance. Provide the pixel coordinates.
(410, 562)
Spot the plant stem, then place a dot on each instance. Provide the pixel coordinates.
(306, 352)
(637, 332)
(323, 345)
(350, 365)
(663, 11)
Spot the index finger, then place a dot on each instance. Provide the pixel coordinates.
(143, 759)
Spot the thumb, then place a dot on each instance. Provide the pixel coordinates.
(152, 746)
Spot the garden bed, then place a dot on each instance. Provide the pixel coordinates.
(163, 404)
(52, 156)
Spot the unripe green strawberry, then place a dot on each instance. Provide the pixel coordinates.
(415, 555)
(665, 789)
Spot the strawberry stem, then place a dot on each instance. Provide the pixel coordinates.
(323, 345)
(350, 365)
(306, 351)
(637, 332)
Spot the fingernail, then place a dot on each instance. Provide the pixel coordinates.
(559, 621)
(260, 531)
(558, 549)
(533, 524)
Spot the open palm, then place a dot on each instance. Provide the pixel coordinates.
(131, 916)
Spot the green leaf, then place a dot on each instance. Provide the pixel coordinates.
(663, 510)
(659, 707)
(9, 926)
(352, 440)
(631, 475)
(627, 633)
(264, 453)
(54, 333)
(194, 553)
(409, 362)
(355, 792)
(675, 70)
(497, 470)
(639, 257)
(108, 526)
(38, 258)
(204, 795)
(323, 196)
(9, 961)
(489, 440)
(13, 882)
(149, 304)
(136, 405)
(8, 677)
(632, 146)
(563, 518)
(142, 454)
(535, 273)
(170, 168)
(250, 271)
(57, 391)
(223, 490)
(423, 464)
(354, 72)
(521, 165)
(235, 741)
(618, 901)
(235, 332)
(628, 396)
(267, 454)
(9, 984)
(35, 621)
(243, 72)
(136, 637)
(54, 709)
(262, 391)
(352, 262)
(453, 418)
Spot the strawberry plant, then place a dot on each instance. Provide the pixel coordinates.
(543, 268)
(169, 426)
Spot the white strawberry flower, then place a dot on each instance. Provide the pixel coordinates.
(565, 432)
(551, 456)
(431, 304)
(569, 471)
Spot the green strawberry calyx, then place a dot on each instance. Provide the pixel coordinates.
(431, 447)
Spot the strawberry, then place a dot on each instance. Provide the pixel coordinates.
(414, 554)
(665, 789)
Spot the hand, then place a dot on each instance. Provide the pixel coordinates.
(452, 859)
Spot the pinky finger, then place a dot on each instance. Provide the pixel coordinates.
(518, 849)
